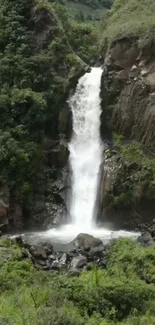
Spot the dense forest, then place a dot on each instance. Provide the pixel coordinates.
(41, 54)
(45, 46)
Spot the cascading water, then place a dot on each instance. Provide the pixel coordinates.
(86, 153)
(85, 149)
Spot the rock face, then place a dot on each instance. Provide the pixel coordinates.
(128, 109)
(127, 199)
(128, 92)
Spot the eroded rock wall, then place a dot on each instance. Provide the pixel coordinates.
(128, 110)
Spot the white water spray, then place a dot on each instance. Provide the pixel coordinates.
(85, 160)
(85, 149)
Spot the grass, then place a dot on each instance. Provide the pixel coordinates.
(130, 19)
(123, 293)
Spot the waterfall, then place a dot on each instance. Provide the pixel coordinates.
(85, 148)
(86, 152)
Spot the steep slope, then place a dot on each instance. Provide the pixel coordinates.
(128, 84)
(37, 69)
(87, 10)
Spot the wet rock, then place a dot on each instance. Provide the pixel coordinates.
(38, 252)
(98, 250)
(74, 272)
(19, 240)
(63, 260)
(58, 156)
(78, 262)
(51, 257)
(55, 265)
(65, 121)
(48, 248)
(152, 231)
(134, 72)
(146, 239)
(85, 241)
(102, 263)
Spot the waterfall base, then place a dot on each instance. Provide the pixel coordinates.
(67, 233)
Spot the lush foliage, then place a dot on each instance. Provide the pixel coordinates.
(123, 293)
(135, 180)
(37, 69)
(82, 37)
(87, 10)
(130, 18)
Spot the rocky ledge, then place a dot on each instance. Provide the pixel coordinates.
(82, 253)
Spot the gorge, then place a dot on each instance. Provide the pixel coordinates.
(77, 162)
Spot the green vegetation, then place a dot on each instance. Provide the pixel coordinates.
(130, 19)
(135, 179)
(83, 37)
(38, 66)
(87, 10)
(123, 293)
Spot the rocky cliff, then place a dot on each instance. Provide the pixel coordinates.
(128, 101)
(129, 83)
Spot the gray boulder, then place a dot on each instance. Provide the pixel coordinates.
(38, 252)
(78, 262)
(146, 239)
(98, 250)
(86, 241)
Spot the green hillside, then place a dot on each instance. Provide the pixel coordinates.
(87, 10)
(132, 19)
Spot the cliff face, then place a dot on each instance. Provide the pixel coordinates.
(128, 118)
(37, 69)
(128, 91)
(128, 112)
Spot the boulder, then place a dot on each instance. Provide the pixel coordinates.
(78, 262)
(85, 241)
(97, 251)
(38, 252)
(146, 239)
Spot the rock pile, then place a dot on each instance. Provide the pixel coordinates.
(83, 253)
(147, 237)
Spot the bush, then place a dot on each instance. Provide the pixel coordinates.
(121, 294)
